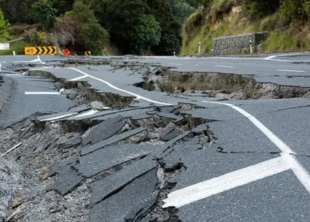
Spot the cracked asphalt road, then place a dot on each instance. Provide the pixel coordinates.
(163, 157)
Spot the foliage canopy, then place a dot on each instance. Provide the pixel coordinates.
(42, 12)
(84, 30)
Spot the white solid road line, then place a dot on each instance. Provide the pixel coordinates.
(59, 117)
(176, 64)
(88, 113)
(287, 153)
(228, 181)
(271, 57)
(78, 78)
(287, 70)
(121, 90)
(224, 66)
(271, 136)
(8, 74)
(42, 93)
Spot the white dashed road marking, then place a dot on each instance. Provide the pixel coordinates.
(176, 64)
(224, 66)
(89, 113)
(287, 161)
(286, 70)
(228, 181)
(42, 93)
(59, 117)
(270, 57)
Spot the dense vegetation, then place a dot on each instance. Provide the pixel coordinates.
(286, 21)
(134, 26)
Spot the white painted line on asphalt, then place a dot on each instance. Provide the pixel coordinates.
(78, 78)
(270, 57)
(39, 59)
(205, 189)
(176, 64)
(287, 153)
(42, 93)
(88, 113)
(224, 66)
(257, 58)
(121, 90)
(287, 70)
(59, 117)
(271, 136)
(225, 182)
(7, 74)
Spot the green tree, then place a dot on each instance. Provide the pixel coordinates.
(181, 9)
(62, 6)
(16, 11)
(261, 8)
(130, 23)
(297, 9)
(4, 25)
(91, 36)
(171, 39)
(204, 3)
(144, 33)
(307, 8)
(42, 12)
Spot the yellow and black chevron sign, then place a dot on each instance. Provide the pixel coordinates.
(41, 50)
(88, 53)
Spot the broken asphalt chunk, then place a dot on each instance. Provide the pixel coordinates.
(118, 206)
(170, 133)
(68, 179)
(105, 187)
(103, 159)
(72, 142)
(104, 130)
(114, 139)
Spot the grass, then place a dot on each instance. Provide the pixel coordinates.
(283, 35)
(18, 47)
(281, 41)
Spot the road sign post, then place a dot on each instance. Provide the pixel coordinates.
(251, 47)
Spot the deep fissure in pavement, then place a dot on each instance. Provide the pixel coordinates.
(78, 169)
(55, 169)
(83, 92)
(220, 85)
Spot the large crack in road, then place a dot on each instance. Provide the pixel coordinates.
(120, 162)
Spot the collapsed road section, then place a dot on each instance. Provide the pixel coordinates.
(73, 166)
(116, 156)
(80, 169)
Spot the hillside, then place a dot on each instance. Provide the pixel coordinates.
(101, 26)
(286, 22)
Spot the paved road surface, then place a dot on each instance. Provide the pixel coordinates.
(258, 168)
